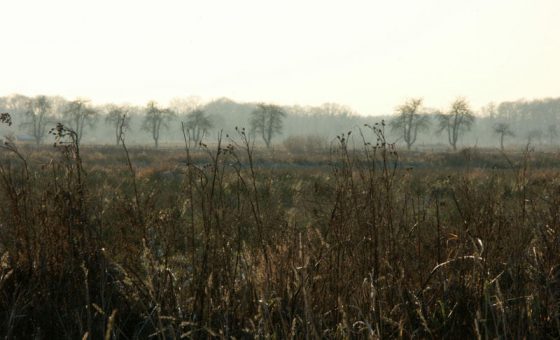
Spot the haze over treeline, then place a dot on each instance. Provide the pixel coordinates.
(507, 124)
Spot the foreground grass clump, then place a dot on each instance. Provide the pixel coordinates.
(218, 243)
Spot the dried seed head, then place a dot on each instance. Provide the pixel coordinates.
(6, 118)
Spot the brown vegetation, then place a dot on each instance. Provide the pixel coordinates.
(120, 243)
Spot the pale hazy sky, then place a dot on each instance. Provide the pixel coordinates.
(370, 55)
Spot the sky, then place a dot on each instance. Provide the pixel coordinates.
(370, 55)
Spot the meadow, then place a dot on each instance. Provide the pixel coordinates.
(229, 240)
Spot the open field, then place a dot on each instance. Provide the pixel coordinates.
(230, 241)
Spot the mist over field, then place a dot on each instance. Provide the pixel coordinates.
(280, 170)
(510, 124)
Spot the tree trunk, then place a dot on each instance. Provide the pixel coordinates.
(267, 141)
(502, 142)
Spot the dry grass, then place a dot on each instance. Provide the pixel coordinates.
(219, 243)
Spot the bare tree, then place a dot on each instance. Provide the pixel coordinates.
(410, 120)
(266, 120)
(155, 119)
(118, 118)
(79, 114)
(334, 109)
(184, 106)
(197, 125)
(535, 135)
(490, 110)
(503, 130)
(17, 103)
(38, 115)
(459, 119)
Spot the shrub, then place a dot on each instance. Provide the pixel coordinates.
(305, 144)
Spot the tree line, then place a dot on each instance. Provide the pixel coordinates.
(40, 112)
(530, 121)
(411, 119)
(192, 120)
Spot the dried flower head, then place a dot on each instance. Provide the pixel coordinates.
(6, 118)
